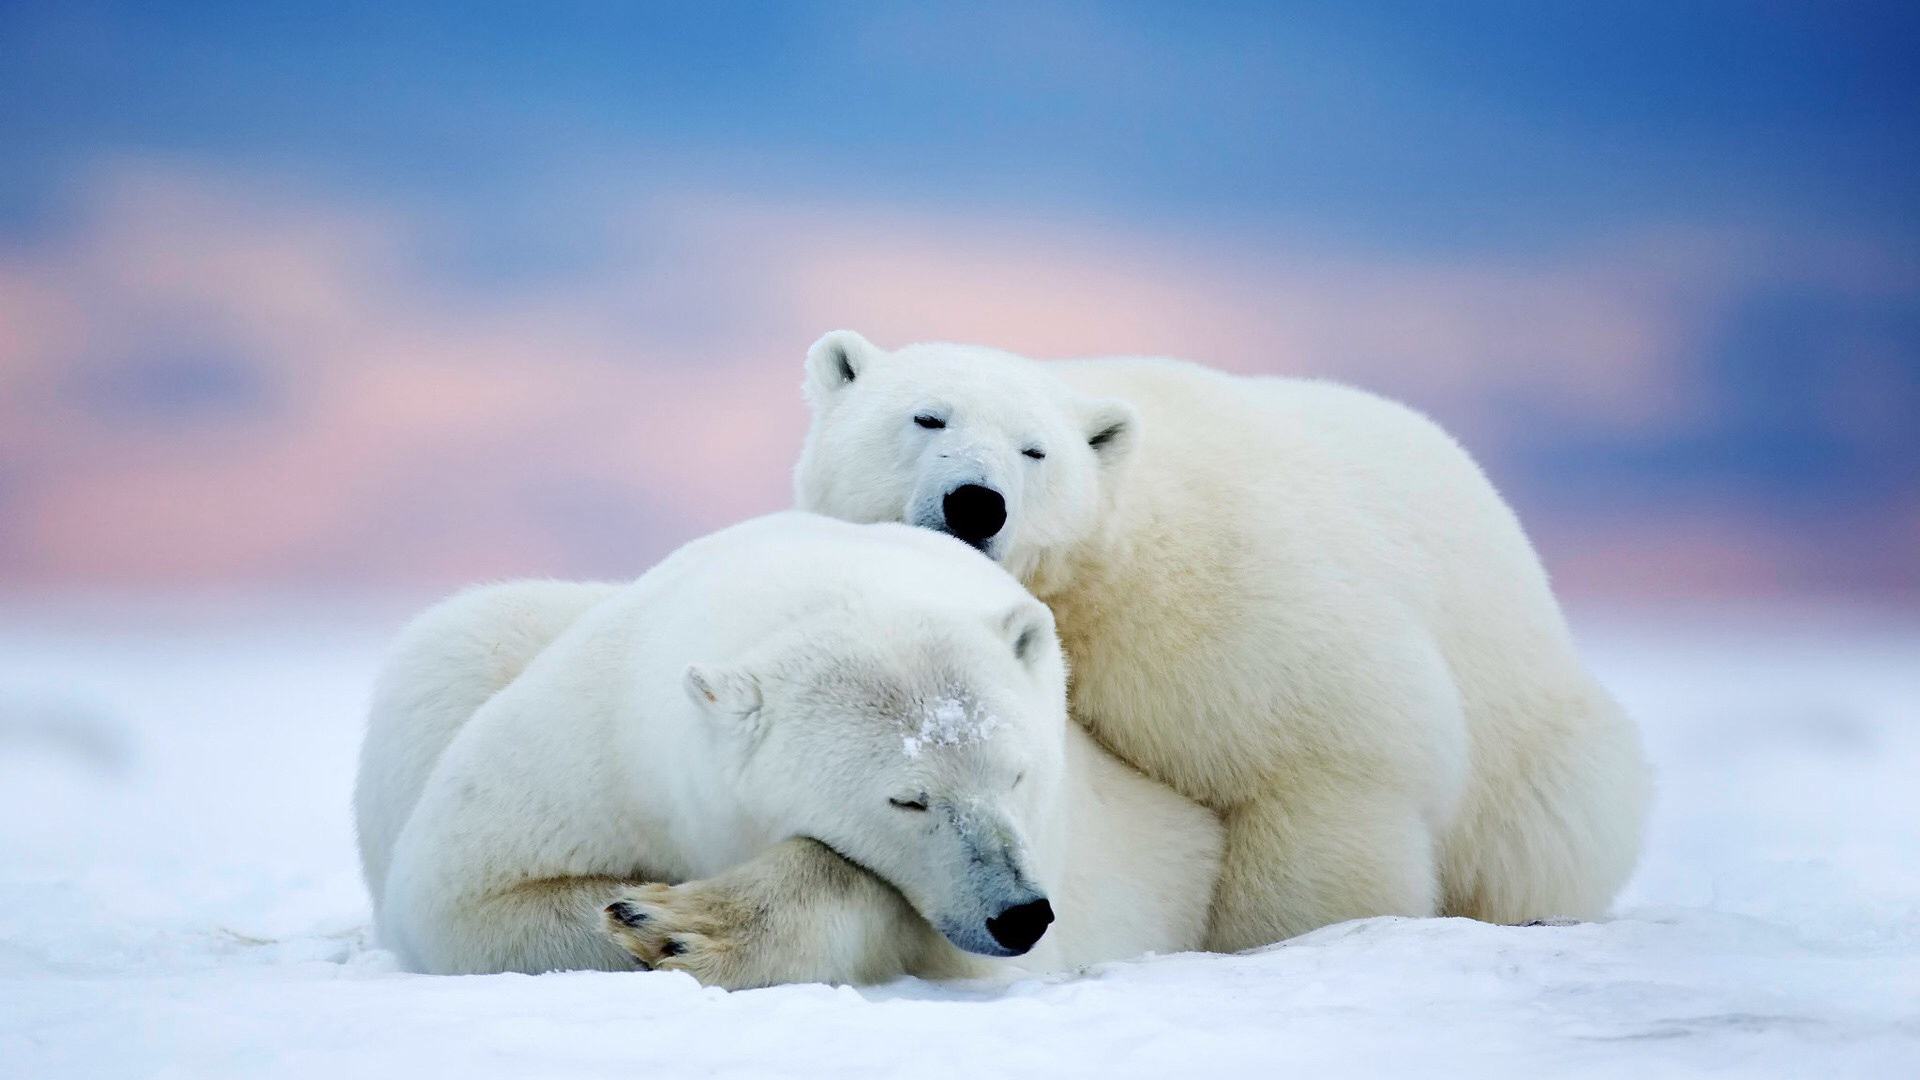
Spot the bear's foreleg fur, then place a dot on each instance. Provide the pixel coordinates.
(797, 912)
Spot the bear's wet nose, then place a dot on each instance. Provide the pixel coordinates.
(1018, 927)
(974, 513)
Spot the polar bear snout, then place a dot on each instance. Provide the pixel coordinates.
(974, 513)
(981, 894)
(1017, 928)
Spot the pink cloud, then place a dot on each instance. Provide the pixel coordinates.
(409, 419)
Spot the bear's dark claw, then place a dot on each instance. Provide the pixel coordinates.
(626, 913)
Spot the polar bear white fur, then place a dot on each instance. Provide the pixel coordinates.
(792, 751)
(1296, 603)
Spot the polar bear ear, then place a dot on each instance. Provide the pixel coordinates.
(1027, 627)
(835, 361)
(1112, 427)
(723, 693)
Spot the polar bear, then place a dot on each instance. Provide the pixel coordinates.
(1294, 602)
(795, 750)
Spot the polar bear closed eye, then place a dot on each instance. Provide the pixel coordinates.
(795, 750)
(1294, 602)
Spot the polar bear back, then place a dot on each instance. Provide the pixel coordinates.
(1298, 494)
(1317, 472)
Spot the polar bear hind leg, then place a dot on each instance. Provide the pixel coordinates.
(1555, 832)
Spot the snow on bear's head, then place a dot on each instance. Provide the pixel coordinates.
(925, 746)
(981, 444)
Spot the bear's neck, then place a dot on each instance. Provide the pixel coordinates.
(1061, 574)
(1141, 566)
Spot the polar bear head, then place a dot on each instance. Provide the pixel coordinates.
(981, 444)
(923, 745)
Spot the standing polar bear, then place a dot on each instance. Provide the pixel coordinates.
(691, 771)
(1296, 603)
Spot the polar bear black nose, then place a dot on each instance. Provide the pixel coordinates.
(974, 513)
(1018, 927)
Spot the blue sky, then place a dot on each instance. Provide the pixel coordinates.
(1371, 137)
(1378, 124)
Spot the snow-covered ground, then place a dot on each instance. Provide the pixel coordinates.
(179, 897)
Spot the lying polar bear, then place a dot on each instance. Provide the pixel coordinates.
(796, 750)
(1296, 603)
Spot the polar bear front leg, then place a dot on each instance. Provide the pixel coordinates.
(1308, 858)
(1346, 825)
(796, 913)
(530, 926)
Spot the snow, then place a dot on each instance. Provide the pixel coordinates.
(948, 722)
(179, 897)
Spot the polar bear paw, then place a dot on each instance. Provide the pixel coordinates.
(696, 928)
